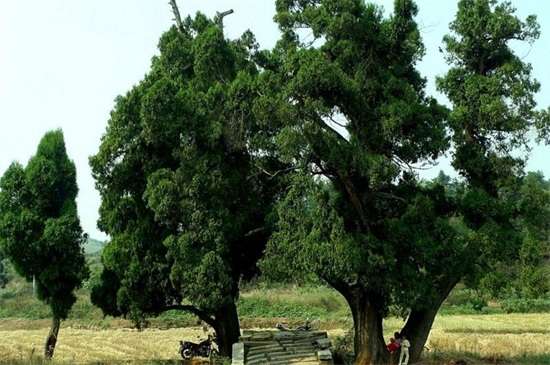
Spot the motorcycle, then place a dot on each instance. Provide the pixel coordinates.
(189, 349)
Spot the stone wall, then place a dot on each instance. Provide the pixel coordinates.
(282, 348)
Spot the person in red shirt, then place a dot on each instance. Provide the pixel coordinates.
(392, 346)
(395, 342)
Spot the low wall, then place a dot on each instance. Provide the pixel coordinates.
(282, 348)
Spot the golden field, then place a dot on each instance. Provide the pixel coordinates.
(509, 335)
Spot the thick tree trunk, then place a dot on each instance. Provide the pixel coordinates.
(369, 344)
(51, 340)
(417, 329)
(227, 328)
(419, 323)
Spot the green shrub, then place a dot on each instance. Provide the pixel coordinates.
(522, 305)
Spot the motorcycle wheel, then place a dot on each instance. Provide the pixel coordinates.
(186, 354)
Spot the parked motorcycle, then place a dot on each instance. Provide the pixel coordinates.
(189, 349)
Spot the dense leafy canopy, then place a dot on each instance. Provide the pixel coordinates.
(40, 229)
(182, 200)
(351, 115)
(331, 128)
(513, 269)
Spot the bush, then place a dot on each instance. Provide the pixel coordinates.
(522, 305)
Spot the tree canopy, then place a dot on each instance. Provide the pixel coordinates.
(40, 229)
(352, 116)
(331, 132)
(182, 200)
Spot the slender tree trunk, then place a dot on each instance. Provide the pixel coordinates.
(419, 324)
(227, 328)
(369, 344)
(51, 340)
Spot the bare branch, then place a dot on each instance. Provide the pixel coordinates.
(391, 196)
(254, 231)
(177, 16)
(221, 16)
(335, 122)
(273, 174)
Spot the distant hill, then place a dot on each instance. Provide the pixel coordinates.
(93, 246)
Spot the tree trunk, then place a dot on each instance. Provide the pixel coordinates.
(51, 340)
(227, 328)
(369, 344)
(417, 329)
(420, 321)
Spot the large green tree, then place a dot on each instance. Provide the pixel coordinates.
(40, 229)
(350, 111)
(186, 210)
(494, 115)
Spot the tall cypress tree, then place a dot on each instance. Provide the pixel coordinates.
(40, 229)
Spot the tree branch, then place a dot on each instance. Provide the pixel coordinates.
(177, 16)
(335, 122)
(221, 16)
(391, 196)
(196, 311)
(272, 175)
(354, 199)
(254, 231)
(324, 126)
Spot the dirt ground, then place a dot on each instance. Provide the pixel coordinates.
(116, 342)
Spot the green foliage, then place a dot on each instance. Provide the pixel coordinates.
(263, 307)
(352, 117)
(522, 270)
(40, 230)
(491, 90)
(3, 276)
(190, 166)
(350, 114)
(318, 303)
(290, 301)
(183, 201)
(515, 304)
(17, 301)
(494, 113)
(343, 227)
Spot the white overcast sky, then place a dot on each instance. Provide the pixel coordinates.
(63, 62)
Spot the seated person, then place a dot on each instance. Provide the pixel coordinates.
(395, 342)
(393, 345)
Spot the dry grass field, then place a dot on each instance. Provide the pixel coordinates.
(93, 345)
(509, 335)
(512, 335)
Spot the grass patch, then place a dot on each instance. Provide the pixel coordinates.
(312, 302)
(529, 359)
